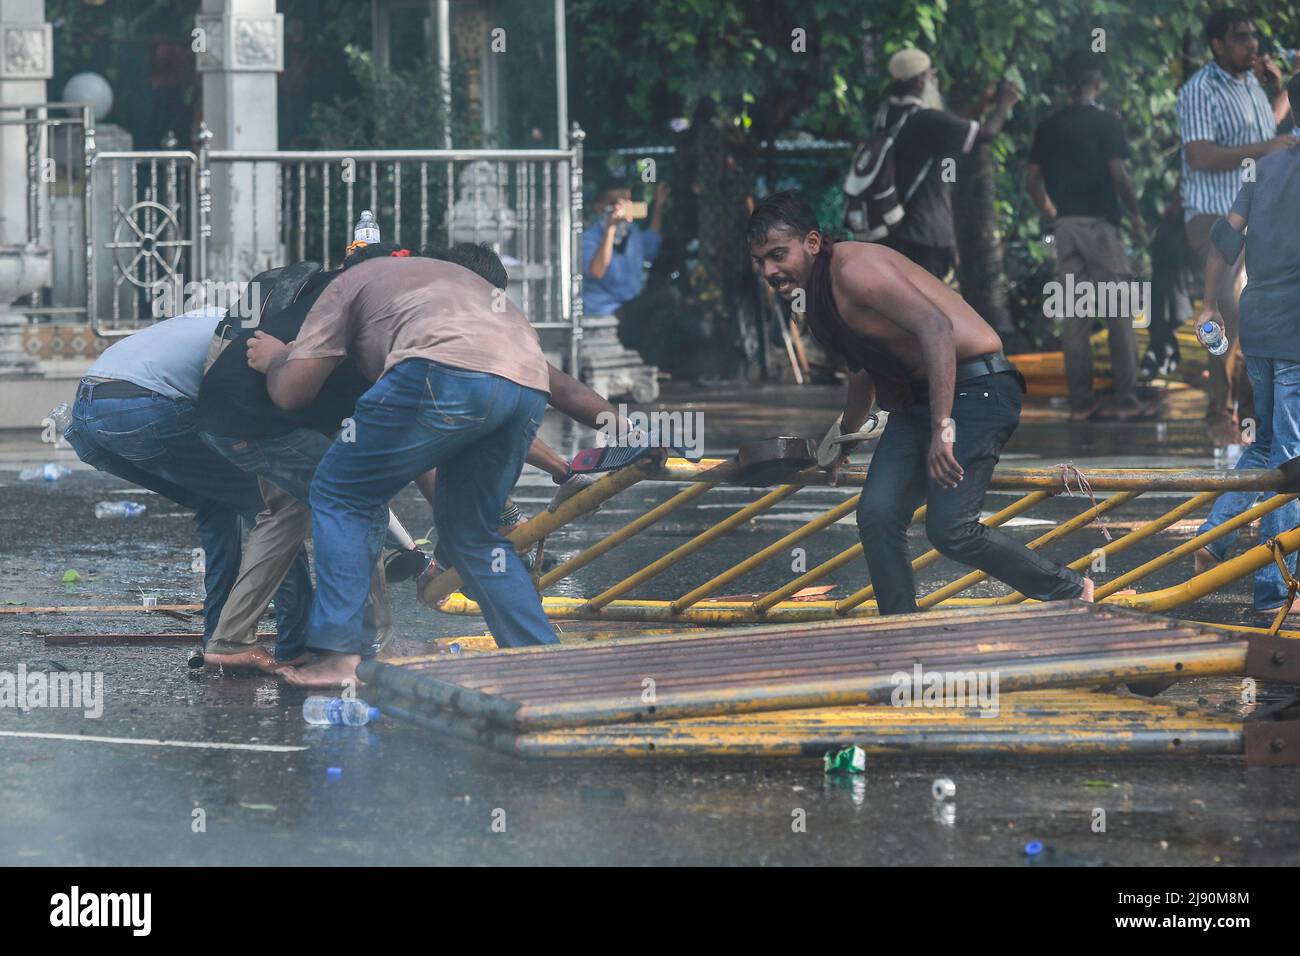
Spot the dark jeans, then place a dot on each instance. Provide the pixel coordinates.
(475, 428)
(985, 411)
(153, 442)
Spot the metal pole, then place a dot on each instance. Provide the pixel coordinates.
(574, 264)
(444, 67)
(88, 205)
(561, 77)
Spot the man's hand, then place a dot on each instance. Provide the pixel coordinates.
(264, 350)
(1279, 143)
(1208, 314)
(941, 462)
(1138, 226)
(662, 192)
(621, 210)
(1268, 73)
(1008, 94)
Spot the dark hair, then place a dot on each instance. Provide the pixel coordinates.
(1082, 70)
(783, 210)
(1218, 23)
(477, 258)
(1293, 93)
(609, 184)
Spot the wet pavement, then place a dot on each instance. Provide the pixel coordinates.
(156, 780)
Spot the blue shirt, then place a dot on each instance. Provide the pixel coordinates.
(625, 276)
(166, 357)
(1219, 108)
(1270, 303)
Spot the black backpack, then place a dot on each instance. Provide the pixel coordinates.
(872, 204)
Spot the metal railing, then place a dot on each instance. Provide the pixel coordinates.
(698, 606)
(526, 204)
(58, 137)
(142, 224)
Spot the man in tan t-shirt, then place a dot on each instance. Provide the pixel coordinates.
(461, 385)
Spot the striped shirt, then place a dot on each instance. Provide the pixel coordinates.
(1219, 108)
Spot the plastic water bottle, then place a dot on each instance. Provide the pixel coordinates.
(118, 509)
(50, 471)
(366, 229)
(61, 415)
(338, 710)
(1211, 335)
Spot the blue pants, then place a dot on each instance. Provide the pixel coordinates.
(1277, 440)
(153, 442)
(475, 428)
(986, 412)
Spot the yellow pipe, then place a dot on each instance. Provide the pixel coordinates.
(539, 526)
(1138, 534)
(931, 556)
(1030, 479)
(821, 521)
(1208, 581)
(1194, 544)
(690, 547)
(600, 548)
(1060, 531)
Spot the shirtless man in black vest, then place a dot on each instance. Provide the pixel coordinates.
(917, 348)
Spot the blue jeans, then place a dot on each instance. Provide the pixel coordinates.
(1277, 440)
(287, 461)
(153, 442)
(985, 411)
(475, 428)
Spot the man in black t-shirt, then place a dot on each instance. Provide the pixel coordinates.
(1078, 178)
(929, 136)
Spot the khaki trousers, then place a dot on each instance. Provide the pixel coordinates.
(1092, 250)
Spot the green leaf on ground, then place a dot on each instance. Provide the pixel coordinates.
(70, 576)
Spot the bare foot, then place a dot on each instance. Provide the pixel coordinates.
(332, 670)
(1083, 414)
(306, 657)
(1295, 606)
(1203, 560)
(258, 658)
(1088, 588)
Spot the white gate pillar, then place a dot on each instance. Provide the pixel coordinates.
(242, 51)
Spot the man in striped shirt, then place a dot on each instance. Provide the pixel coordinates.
(1227, 121)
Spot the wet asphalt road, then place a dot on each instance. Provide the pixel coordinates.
(405, 796)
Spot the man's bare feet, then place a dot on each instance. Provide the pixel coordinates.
(1203, 560)
(1084, 414)
(1088, 588)
(332, 670)
(258, 658)
(1295, 606)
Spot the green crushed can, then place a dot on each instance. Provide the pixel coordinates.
(848, 760)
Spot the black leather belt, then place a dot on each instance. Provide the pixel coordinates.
(982, 365)
(114, 388)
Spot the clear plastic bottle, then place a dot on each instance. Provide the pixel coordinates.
(338, 710)
(61, 415)
(366, 229)
(1211, 335)
(119, 509)
(50, 471)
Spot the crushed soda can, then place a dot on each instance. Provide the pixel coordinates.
(943, 788)
(846, 760)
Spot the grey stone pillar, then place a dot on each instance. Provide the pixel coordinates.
(243, 50)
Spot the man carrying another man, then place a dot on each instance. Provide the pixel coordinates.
(917, 347)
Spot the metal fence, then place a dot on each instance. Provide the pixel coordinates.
(58, 136)
(144, 228)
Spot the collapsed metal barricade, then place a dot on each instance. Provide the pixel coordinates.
(785, 690)
(697, 606)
